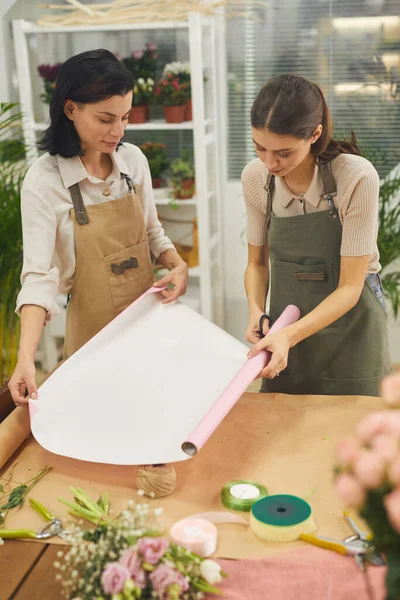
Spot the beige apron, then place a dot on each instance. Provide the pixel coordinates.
(113, 264)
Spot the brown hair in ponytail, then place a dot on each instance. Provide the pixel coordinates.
(292, 105)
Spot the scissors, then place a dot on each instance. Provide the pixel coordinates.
(359, 545)
(52, 527)
(261, 324)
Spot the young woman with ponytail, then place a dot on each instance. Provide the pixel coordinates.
(312, 207)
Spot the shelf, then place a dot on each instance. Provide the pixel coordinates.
(158, 125)
(162, 198)
(31, 28)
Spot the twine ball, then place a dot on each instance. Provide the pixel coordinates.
(156, 480)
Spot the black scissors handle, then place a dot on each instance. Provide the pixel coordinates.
(262, 319)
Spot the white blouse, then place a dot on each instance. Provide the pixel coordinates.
(48, 235)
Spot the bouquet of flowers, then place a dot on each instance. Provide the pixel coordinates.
(49, 75)
(127, 558)
(156, 154)
(169, 92)
(143, 63)
(368, 479)
(143, 91)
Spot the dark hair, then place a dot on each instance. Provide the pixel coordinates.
(292, 105)
(86, 78)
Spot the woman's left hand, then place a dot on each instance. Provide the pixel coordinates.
(279, 345)
(178, 277)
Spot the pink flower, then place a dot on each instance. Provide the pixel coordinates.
(176, 85)
(152, 549)
(131, 560)
(138, 54)
(347, 451)
(385, 446)
(394, 471)
(392, 504)
(369, 469)
(349, 490)
(151, 47)
(379, 422)
(164, 576)
(114, 577)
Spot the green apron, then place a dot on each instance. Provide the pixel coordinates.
(350, 356)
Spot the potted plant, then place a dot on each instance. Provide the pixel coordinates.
(182, 177)
(142, 63)
(182, 72)
(12, 171)
(173, 97)
(142, 96)
(49, 75)
(156, 154)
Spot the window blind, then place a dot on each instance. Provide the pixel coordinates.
(351, 49)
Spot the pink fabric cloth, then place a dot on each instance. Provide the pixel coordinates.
(309, 574)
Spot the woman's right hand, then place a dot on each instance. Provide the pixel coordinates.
(22, 380)
(253, 328)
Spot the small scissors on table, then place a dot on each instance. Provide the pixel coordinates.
(51, 528)
(359, 545)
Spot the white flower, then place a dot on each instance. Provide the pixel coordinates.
(140, 81)
(150, 81)
(211, 571)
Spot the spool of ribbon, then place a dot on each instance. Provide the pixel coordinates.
(281, 518)
(197, 535)
(242, 494)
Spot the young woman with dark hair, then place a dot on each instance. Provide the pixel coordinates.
(312, 207)
(90, 225)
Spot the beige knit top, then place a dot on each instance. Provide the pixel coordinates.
(357, 200)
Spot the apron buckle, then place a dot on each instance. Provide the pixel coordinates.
(130, 263)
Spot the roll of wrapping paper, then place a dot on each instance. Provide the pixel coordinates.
(13, 431)
(242, 494)
(281, 518)
(235, 389)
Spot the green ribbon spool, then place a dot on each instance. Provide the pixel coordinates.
(281, 510)
(242, 494)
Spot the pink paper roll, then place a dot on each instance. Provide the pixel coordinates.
(235, 389)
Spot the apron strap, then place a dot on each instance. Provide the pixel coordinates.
(269, 188)
(330, 191)
(79, 208)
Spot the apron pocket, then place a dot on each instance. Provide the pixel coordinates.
(130, 274)
(306, 286)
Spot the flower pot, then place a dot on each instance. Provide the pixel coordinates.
(138, 114)
(174, 114)
(156, 182)
(186, 190)
(188, 110)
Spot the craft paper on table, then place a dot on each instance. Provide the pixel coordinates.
(150, 388)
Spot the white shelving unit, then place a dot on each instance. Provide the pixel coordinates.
(201, 42)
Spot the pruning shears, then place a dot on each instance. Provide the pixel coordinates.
(359, 545)
(52, 527)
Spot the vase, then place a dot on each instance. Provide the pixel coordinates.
(186, 190)
(138, 114)
(156, 182)
(188, 110)
(174, 114)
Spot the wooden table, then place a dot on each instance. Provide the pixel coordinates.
(286, 441)
(26, 571)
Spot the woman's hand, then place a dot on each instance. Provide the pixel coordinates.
(23, 379)
(178, 277)
(278, 344)
(253, 328)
